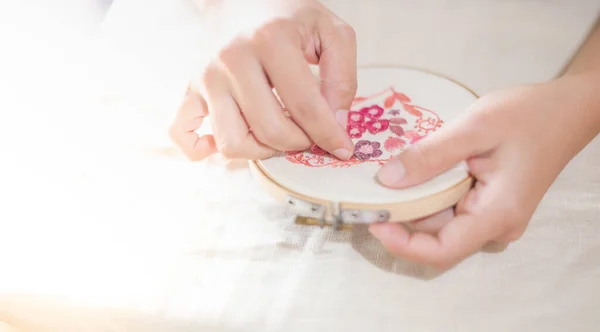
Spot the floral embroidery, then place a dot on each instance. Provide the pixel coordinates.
(369, 119)
(315, 149)
(398, 121)
(355, 117)
(413, 136)
(373, 112)
(377, 126)
(364, 150)
(394, 144)
(356, 130)
(399, 131)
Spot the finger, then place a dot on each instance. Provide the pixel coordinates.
(290, 74)
(434, 223)
(460, 238)
(337, 63)
(232, 135)
(260, 107)
(436, 154)
(183, 130)
(470, 203)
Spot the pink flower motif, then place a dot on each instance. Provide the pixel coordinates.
(355, 130)
(413, 136)
(365, 150)
(394, 144)
(373, 112)
(416, 139)
(315, 149)
(398, 121)
(377, 126)
(355, 117)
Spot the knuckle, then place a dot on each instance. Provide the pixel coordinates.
(480, 125)
(230, 53)
(269, 135)
(273, 30)
(344, 88)
(347, 32)
(229, 151)
(476, 127)
(305, 110)
(483, 117)
(209, 76)
(351, 86)
(232, 148)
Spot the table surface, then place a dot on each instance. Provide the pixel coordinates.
(102, 219)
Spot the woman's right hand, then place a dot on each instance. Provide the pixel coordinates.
(271, 45)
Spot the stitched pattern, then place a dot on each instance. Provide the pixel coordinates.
(381, 126)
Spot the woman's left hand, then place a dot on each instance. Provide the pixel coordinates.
(516, 142)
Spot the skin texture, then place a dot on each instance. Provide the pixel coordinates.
(270, 49)
(514, 162)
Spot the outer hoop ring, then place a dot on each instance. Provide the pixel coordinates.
(398, 212)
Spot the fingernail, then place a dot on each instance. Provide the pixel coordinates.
(342, 117)
(392, 172)
(342, 154)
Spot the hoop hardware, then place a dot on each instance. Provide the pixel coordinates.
(312, 214)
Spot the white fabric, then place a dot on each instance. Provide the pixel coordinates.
(100, 220)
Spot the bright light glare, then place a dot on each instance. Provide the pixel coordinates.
(96, 207)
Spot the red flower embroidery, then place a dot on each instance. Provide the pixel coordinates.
(365, 150)
(355, 117)
(356, 130)
(394, 144)
(315, 149)
(373, 112)
(372, 119)
(377, 126)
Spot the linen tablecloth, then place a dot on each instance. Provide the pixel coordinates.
(105, 227)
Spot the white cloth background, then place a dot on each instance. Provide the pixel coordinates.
(104, 227)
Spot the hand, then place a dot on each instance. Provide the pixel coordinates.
(515, 142)
(272, 45)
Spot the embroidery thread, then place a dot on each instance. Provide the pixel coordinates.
(381, 126)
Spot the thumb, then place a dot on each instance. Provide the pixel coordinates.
(337, 64)
(435, 154)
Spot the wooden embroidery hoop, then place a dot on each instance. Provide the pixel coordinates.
(344, 214)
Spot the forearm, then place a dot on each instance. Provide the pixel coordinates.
(587, 58)
(583, 76)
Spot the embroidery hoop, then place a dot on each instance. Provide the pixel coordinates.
(315, 207)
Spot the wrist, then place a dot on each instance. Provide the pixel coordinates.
(582, 91)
